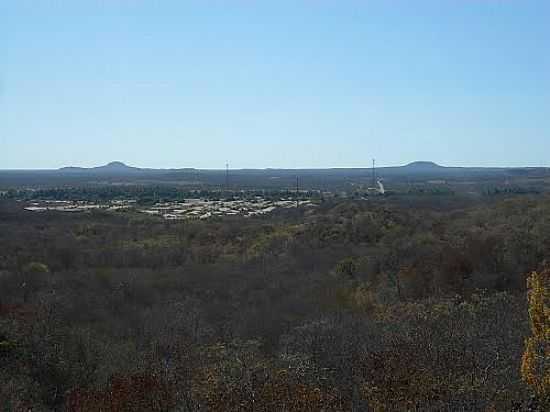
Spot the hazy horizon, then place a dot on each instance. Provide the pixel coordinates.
(287, 85)
(380, 166)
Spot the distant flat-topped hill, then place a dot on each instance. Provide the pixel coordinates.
(423, 165)
(116, 166)
(113, 167)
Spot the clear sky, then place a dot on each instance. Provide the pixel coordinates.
(302, 83)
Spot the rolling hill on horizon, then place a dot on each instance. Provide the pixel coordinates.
(415, 165)
(118, 172)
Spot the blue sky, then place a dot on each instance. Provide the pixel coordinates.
(308, 83)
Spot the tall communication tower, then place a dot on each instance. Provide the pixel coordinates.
(227, 176)
(297, 192)
(373, 172)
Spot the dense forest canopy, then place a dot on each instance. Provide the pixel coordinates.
(399, 303)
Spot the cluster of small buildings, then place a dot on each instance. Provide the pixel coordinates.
(205, 209)
(188, 209)
(77, 206)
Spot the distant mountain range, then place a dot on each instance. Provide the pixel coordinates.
(418, 168)
(120, 173)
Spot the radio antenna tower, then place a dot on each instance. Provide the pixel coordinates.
(373, 173)
(227, 176)
(297, 192)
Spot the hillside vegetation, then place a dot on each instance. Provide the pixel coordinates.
(351, 306)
